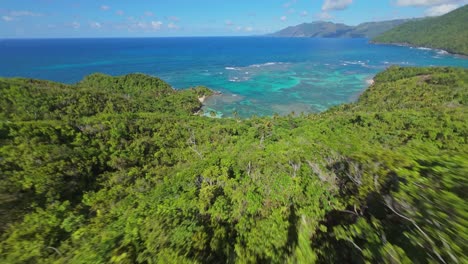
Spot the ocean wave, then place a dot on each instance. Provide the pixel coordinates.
(267, 64)
(423, 48)
(442, 52)
(396, 63)
(355, 62)
(239, 79)
(360, 63)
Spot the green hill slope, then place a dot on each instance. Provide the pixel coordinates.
(322, 29)
(119, 170)
(373, 29)
(319, 29)
(447, 32)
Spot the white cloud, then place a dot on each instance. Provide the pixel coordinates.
(13, 15)
(172, 26)
(149, 14)
(304, 13)
(425, 2)
(76, 25)
(105, 7)
(141, 25)
(238, 28)
(435, 7)
(7, 18)
(249, 29)
(156, 25)
(440, 9)
(229, 23)
(336, 4)
(95, 25)
(174, 18)
(283, 18)
(24, 13)
(324, 16)
(119, 12)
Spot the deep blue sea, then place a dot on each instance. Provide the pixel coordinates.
(256, 75)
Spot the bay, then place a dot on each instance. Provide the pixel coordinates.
(255, 75)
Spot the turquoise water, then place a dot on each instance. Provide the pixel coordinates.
(256, 75)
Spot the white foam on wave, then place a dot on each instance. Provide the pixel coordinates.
(397, 63)
(266, 64)
(358, 62)
(442, 52)
(423, 48)
(239, 79)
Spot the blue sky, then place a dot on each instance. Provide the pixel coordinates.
(158, 18)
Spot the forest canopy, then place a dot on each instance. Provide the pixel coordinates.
(120, 170)
(447, 32)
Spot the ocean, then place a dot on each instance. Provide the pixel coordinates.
(256, 75)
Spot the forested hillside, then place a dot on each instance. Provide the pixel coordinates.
(322, 29)
(120, 170)
(447, 32)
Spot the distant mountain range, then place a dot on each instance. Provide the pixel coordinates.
(448, 32)
(321, 29)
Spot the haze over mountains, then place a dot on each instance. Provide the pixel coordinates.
(322, 29)
(447, 32)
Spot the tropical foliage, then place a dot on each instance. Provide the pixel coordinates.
(120, 170)
(322, 29)
(447, 32)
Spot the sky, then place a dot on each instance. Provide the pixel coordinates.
(163, 18)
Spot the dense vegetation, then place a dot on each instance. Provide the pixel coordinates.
(321, 29)
(447, 32)
(119, 170)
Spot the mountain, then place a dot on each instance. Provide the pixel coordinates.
(373, 29)
(321, 29)
(120, 170)
(314, 29)
(447, 32)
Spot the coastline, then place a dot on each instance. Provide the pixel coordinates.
(202, 100)
(370, 82)
(404, 44)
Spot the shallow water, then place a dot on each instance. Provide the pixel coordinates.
(256, 75)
